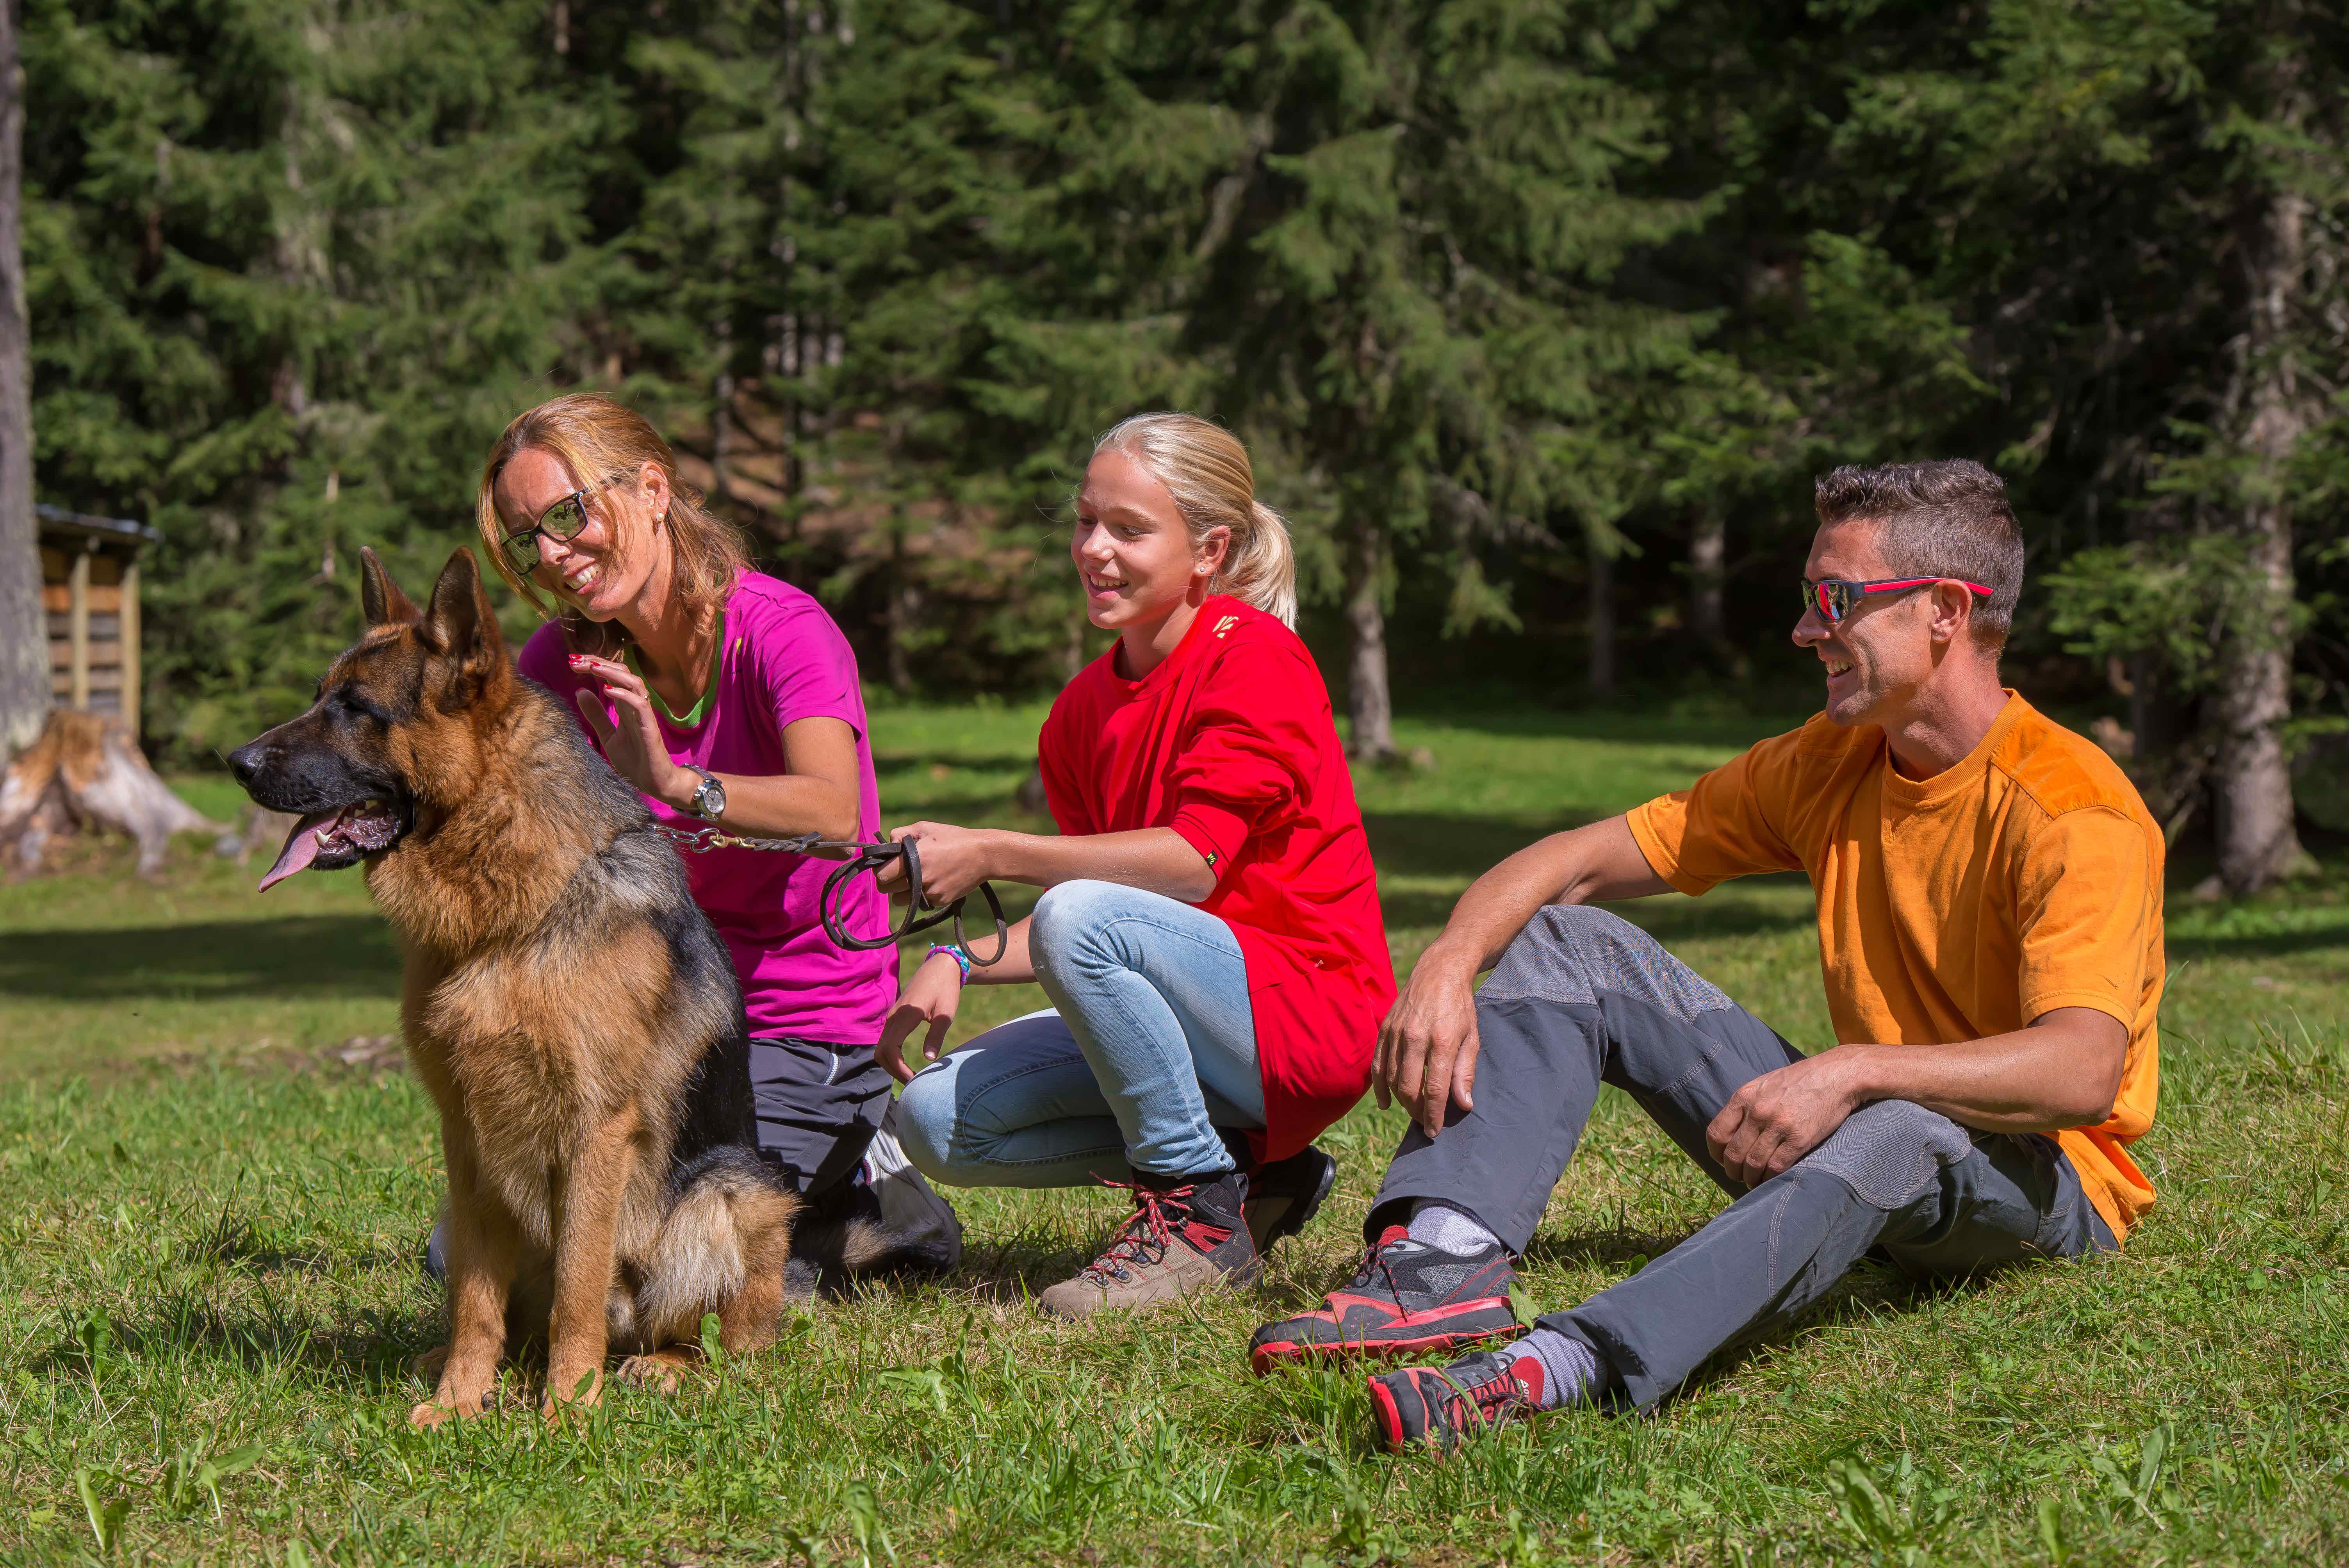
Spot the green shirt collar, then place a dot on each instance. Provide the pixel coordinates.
(692, 717)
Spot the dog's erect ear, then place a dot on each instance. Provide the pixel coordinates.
(461, 625)
(379, 597)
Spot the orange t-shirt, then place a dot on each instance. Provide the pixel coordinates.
(2025, 879)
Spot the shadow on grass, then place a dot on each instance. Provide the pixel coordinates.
(1428, 843)
(1668, 920)
(311, 956)
(888, 762)
(1617, 1247)
(1873, 1286)
(368, 1353)
(2262, 944)
(1031, 1260)
(1535, 722)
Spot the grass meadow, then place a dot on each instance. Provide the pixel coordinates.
(217, 1182)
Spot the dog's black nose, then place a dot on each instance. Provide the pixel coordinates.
(245, 763)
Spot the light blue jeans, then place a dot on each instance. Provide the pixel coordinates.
(1149, 1049)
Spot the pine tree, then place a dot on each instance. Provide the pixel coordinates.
(1827, 346)
(2142, 202)
(292, 268)
(1409, 285)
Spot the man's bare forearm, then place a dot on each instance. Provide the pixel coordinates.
(1588, 864)
(2063, 1071)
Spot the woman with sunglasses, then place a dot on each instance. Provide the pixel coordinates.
(730, 700)
(1209, 935)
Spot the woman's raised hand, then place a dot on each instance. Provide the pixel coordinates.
(633, 746)
(954, 861)
(928, 1002)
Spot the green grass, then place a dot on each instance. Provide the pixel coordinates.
(208, 1244)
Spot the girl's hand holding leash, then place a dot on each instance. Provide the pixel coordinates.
(954, 861)
(928, 1001)
(633, 746)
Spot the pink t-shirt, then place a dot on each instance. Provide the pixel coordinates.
(781, 659)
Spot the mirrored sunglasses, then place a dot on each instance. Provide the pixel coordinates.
(1835, 598)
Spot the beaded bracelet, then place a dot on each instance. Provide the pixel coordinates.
(962, 959)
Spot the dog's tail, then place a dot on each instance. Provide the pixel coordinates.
(731, 1220)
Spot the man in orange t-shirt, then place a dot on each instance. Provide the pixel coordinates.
(1989, 894)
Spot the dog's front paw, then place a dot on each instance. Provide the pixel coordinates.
(466, 1400)
(435, 1410)
(427, 1366)
(427, 1415)
(662, 1370)
(584, 1389)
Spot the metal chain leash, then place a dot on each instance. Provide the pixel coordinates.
(859, 858)
(701, 840)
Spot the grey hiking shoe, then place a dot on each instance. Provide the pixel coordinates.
(1183, 1239)
(1282, 1196)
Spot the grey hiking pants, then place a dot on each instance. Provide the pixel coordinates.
(1584, 997)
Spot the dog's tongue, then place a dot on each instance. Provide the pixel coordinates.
(301, 849)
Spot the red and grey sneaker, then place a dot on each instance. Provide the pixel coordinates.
(1407, 1298)
(1440, 1408)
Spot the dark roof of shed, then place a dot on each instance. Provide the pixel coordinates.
(99, 527)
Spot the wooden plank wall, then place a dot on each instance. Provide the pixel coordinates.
(92, 602)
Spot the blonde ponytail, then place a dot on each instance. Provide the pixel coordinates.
(1206, 471)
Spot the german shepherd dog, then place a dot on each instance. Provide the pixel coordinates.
(571, 1011)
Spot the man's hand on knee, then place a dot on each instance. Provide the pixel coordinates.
(1780, 1117)
(1427, 1046)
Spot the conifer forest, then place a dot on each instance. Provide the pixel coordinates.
(1538, 315)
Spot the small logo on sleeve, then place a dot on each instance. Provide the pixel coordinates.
(1226, 624)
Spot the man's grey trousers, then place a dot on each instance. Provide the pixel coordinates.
(1583, 997)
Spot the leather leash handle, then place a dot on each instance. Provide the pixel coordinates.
(875, 858)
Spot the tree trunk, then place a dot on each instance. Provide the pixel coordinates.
(902, 609)
(1602, 621)
(721, 409)
(1366, 701)
(1708, 550)
(23, 628)
(2252, 789)
(721, 439)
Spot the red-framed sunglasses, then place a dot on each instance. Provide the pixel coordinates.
(1835, 598)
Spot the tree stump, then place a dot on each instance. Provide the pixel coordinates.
(84, 773)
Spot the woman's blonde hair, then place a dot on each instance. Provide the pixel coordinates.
(602, 442)
(1206, 471)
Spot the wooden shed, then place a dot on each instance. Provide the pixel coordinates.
(89, 587)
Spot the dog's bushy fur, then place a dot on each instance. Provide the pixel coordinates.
(571, 1011)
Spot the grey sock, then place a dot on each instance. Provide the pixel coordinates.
(1447, 1230)
(1572, 1372)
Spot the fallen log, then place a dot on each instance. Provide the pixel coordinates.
(84, 773)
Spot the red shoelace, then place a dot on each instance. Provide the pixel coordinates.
(1147, 1232)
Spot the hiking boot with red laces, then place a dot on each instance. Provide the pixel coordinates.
(1406, 1299)
(1184, 1237)
(1440, 1408)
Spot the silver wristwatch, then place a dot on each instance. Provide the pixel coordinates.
(708, 802)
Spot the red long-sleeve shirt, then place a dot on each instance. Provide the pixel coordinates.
(1231, 743)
